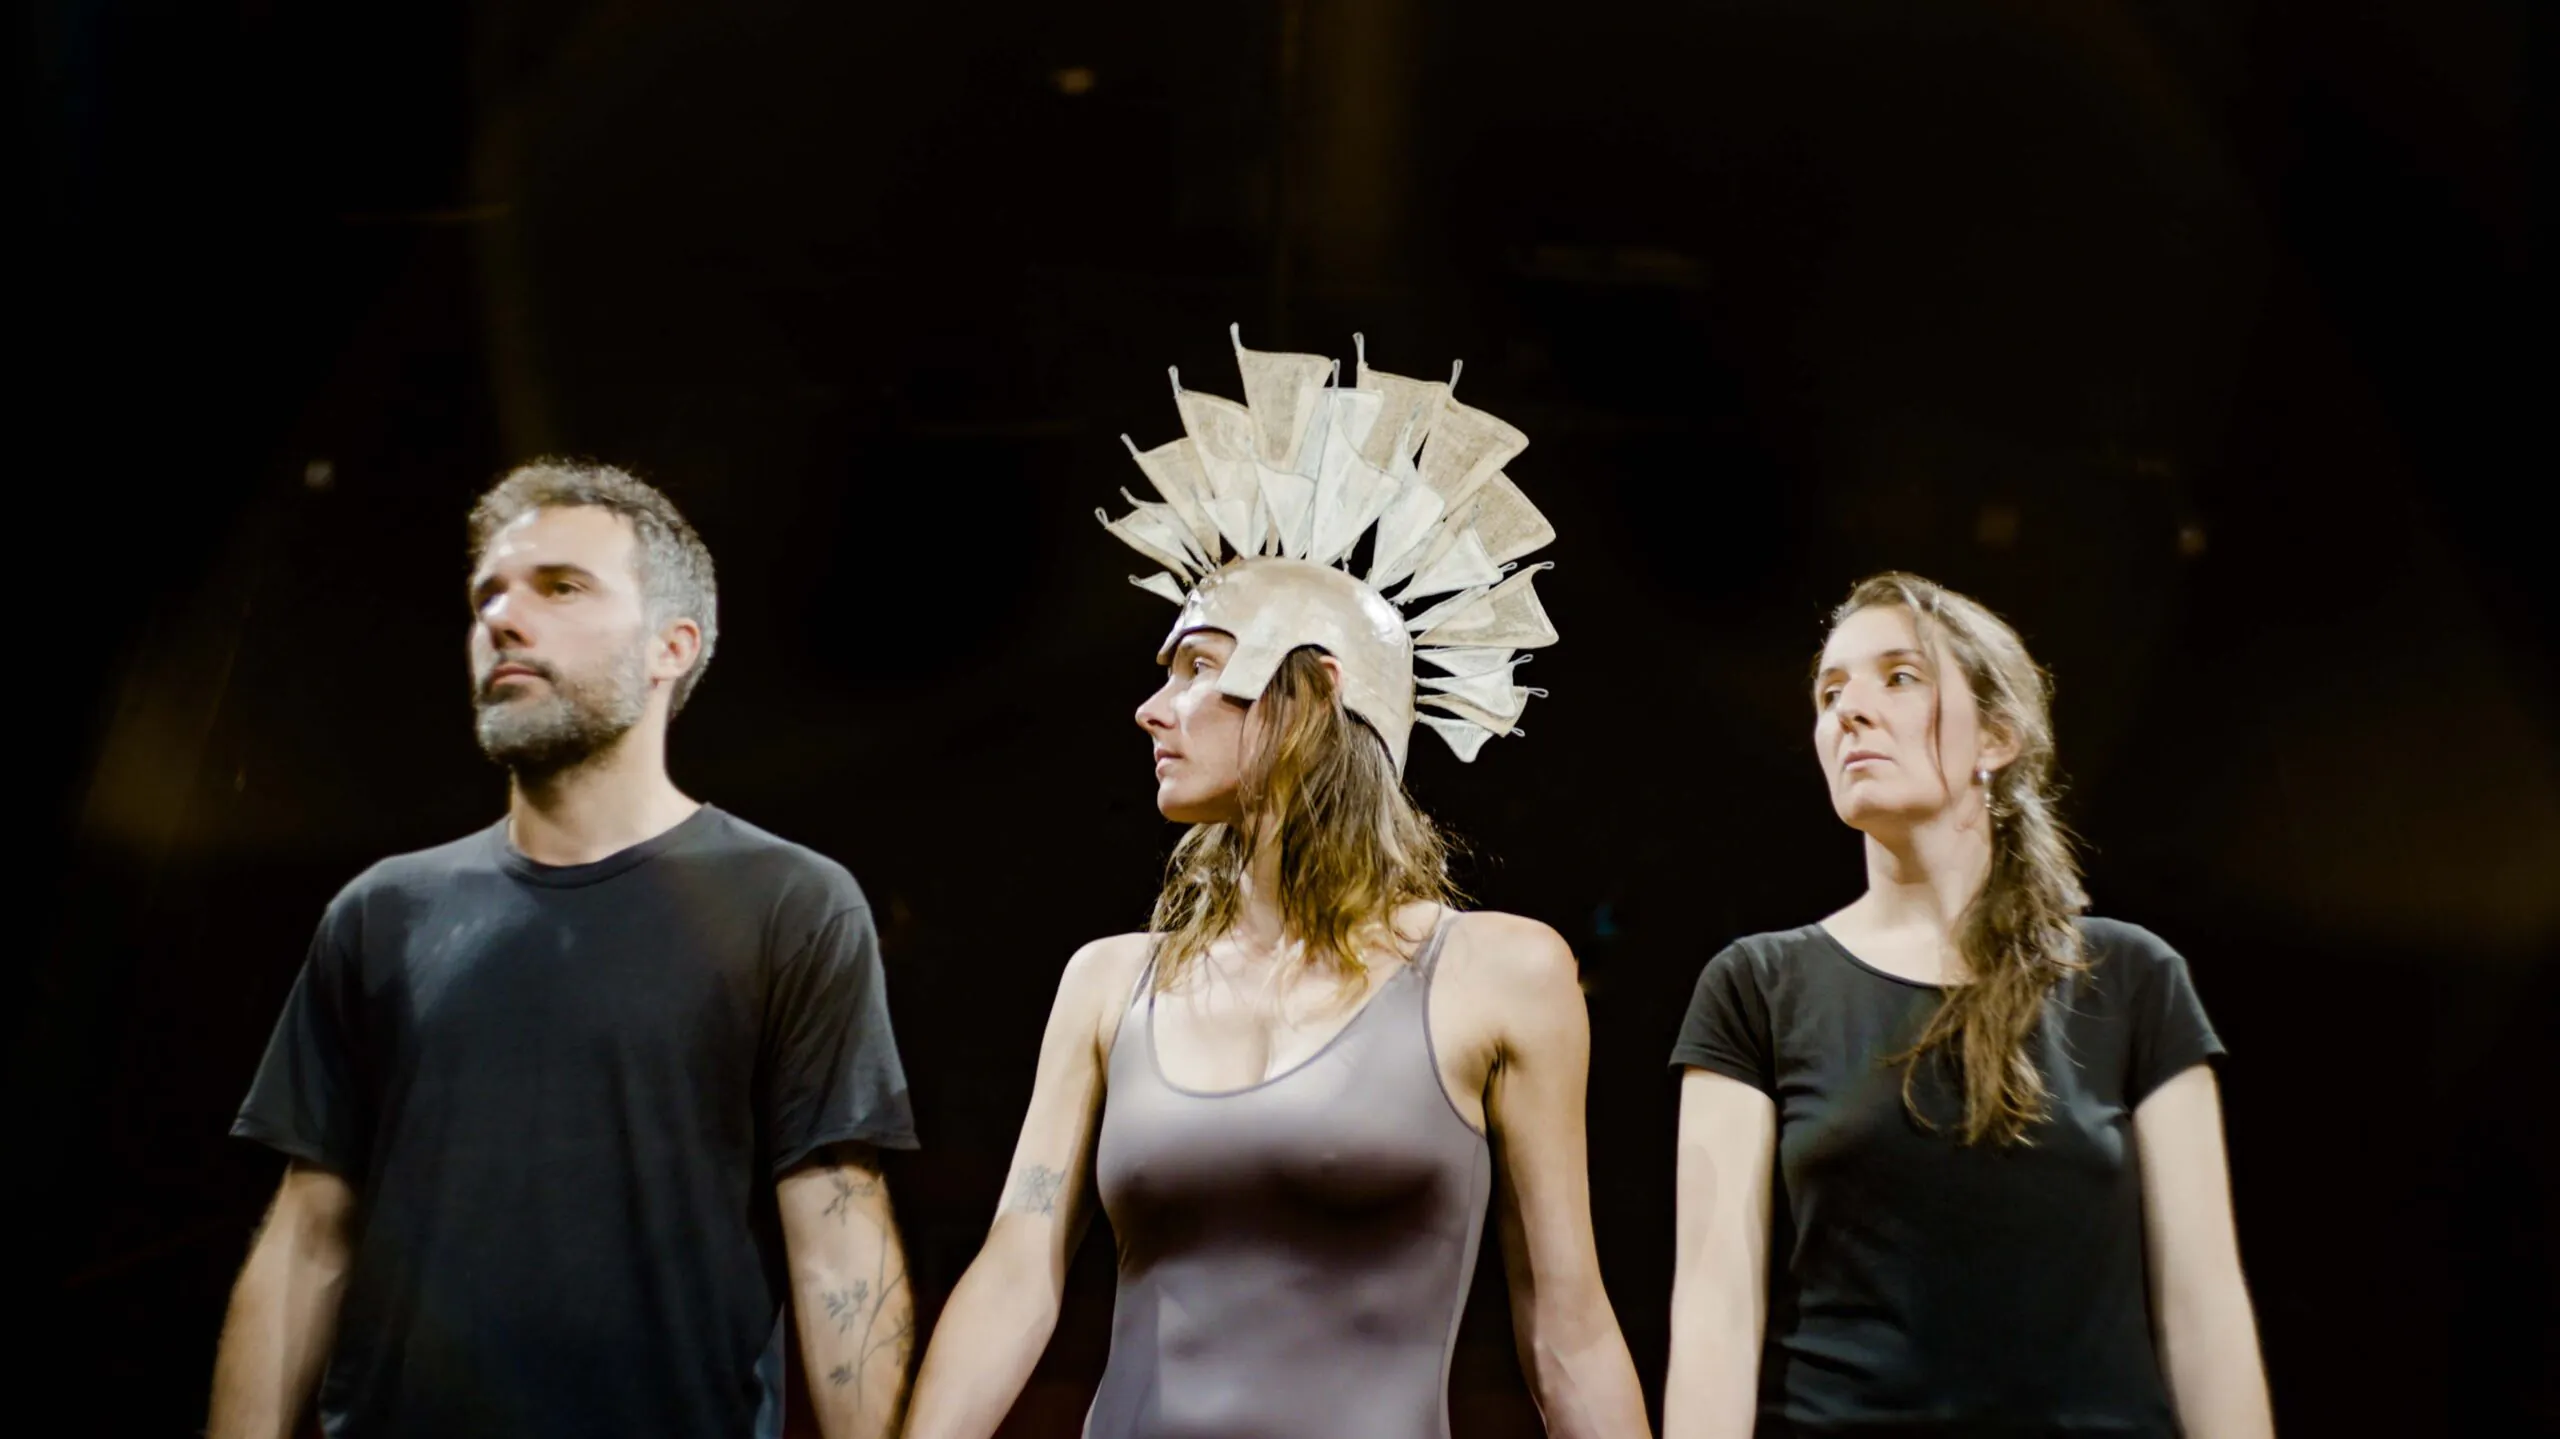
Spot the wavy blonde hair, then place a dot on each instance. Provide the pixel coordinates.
(1319, 784)
(2019, 935)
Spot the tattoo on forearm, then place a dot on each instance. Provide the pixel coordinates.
(850, 1184)
(864, 1312)
(845, 1306)
(898, 1339)
(869, 1316)
(1035, 1190)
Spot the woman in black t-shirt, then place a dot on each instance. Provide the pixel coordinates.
(1951, 1160)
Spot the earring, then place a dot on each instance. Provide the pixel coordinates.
(1982, 776)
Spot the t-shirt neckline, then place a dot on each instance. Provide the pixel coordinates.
(575, 876)
(1850, 955)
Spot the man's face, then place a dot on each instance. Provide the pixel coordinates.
(559, 638)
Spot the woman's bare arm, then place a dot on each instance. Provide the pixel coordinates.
(2208, 1332)
(1570, 1345)
(1000, 1316)
(1719, 1291)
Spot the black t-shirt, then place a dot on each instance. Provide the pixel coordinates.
(563, 1095)
(1919, 1286)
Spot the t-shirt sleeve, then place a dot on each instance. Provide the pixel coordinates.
(835, 1074)
(2170, 1032)
(306, 1101)
(1727, 1028)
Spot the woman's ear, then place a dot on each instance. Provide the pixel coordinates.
(1332, 671)
(1999, 748)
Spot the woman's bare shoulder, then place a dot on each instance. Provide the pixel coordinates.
(1509, 954)
(1100, 975)
(1109, 963)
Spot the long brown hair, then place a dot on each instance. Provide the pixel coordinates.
(1319, 784)
(2018, 935)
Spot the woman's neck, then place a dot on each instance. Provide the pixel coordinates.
(1920, 879)
(1262, 925)
(1262, 936)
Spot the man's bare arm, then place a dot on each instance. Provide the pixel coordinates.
(849, 1287)
(284, 1309)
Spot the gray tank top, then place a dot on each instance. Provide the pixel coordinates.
(1294, 1255)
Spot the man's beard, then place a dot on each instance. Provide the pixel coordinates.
(538, 735)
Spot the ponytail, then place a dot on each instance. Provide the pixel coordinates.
(2019, 936)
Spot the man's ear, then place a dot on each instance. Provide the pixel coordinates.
(675, 651)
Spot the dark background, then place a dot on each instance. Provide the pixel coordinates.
(2193, 336)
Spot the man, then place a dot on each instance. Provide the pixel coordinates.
(569, 1101)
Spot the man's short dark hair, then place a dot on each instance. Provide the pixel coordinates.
(676, 580)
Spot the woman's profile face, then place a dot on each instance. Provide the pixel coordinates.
(1895, 726)
(1198, 733)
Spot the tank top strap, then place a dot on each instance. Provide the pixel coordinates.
(1131, 1009)
(1428, 959)
(1145, 983)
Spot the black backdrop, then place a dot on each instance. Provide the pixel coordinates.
(2191, 335)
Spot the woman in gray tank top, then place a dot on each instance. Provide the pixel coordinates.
(1283, 1092)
